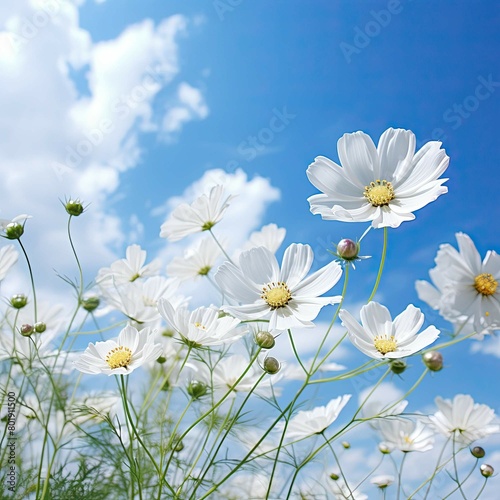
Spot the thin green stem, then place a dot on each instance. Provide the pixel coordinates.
(381, 267)
(32, 279)
(220, 246)
(400, 476)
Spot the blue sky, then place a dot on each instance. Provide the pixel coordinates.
(320, 69)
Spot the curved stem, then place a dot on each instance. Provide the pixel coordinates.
(32, 279)
(220, 246)
(381, 267)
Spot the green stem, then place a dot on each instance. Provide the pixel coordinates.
(220, 246)
(381, 267)
(32, 279)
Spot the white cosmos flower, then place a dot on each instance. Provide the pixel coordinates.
(201, 215)
(382, 184)
(382, 481)
(463, 419)
(8, 257)
(379, 336)
(286, 297)
(201, 327)
(197, 261)
(404, 434)
(122, 355)
(129, 269)
(465, 287)
(315, 421)
(138, 300)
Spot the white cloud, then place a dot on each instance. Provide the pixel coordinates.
(190, 105)
(489, 345)
(56, 141)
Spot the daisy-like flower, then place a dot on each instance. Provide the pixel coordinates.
(405, 435)
(379, 336)
(465, 288)
(8, 257)
(201, 215)
(138, 300)
(382, 184)
(129, 269)
(463, 419)
(285, 297)
(315, 421)
(201, 327)
(196, 262)
(122, 355)
(382, 481)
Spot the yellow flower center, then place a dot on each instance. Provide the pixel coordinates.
(385, 344)
(200, 326)
(408, 440)
(485, 284)
(204, 271)
(379, 193)
(119, 357)
(276, 294)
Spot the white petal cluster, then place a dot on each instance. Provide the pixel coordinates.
(129, 269)
(120, 356)
(201, 215)
(197, 261)
(383, 184)
(201, 327)
(285, 297)
(138, 300)
(8, 257)
(464, 288)
(378, 336)
(463, 419)
(404, 434)
(315, 421)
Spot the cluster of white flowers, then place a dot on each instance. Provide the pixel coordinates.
(218, 356)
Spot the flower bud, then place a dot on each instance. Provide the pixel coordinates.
(487, 470)
(346, 444)
(384, 448)
(161, 360)
(334, 477)
(74, 207)
(14, 231)
(90, 303)
(272, 365)
(18, 301)
(168, 333)
(197, 389)
(398, 366)
(478, 452)
(40, 327)
(347, 249)
(264, 340)
(26, 330)
(177, 445)
(433, 360)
